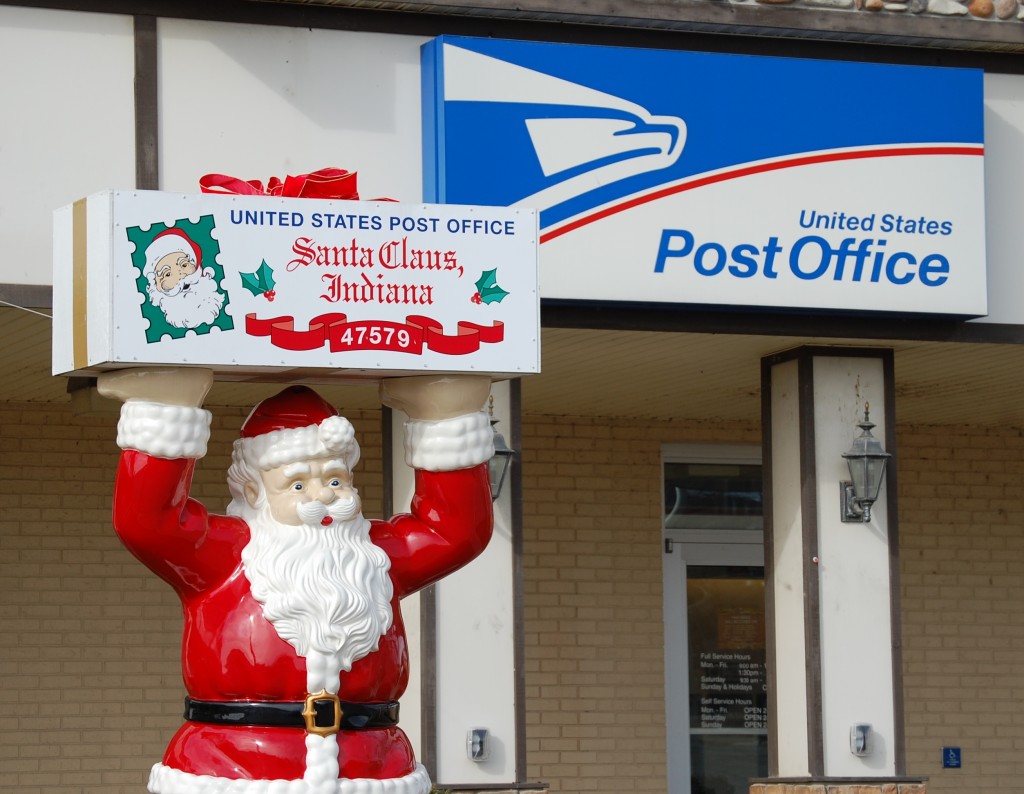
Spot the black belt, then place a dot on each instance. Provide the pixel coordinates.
(322, 714)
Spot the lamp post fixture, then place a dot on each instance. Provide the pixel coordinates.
(499, 464)
(867, 460)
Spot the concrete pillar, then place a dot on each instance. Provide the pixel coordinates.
(465, 638)
(832, 587)
(476, 642)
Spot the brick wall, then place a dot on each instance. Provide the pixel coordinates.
(89, 651)
(962, 539)
(89, 661)
(593, 599)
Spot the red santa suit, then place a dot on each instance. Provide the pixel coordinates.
(235, 664)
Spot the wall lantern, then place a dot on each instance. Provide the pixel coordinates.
(866, 460)
(499, 464)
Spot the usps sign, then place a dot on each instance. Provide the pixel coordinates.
(720, 180)
(254, 286)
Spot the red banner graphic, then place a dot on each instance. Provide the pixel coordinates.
(467, 338)
(409, 337)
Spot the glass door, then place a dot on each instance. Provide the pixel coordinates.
(728, 693)
(716, 694)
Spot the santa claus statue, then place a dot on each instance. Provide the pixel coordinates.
(294, 653)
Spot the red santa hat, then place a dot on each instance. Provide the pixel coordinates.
(171, 241)
(296, 424)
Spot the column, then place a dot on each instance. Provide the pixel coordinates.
(832, 586)
(467, 646)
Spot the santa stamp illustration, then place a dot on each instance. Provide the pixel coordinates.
(178, 284)
(179, 278)
(294, 653)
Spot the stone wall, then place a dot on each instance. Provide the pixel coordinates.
(810, 786)
(538, 789)
(953, 24)
(977, 9)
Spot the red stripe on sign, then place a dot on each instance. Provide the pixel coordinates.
(760, 168)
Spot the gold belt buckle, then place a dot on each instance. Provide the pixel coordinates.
(309, 713)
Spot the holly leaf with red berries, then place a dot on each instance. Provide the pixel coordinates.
(487, 289)
(260, 281)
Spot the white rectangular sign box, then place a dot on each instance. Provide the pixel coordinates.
(330, 290)
(714, 180)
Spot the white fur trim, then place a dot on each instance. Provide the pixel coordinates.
(164, 431)
(335, 436)
(165, 780)
(449, 444)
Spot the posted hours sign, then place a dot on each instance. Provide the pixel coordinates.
(254, 284)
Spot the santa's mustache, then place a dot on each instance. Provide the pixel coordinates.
(313, 513)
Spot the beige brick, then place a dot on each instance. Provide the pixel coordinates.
(92, 626)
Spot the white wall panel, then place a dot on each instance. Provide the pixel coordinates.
(1004, 200)
(254, 101)
(67, 127)
(790, 591)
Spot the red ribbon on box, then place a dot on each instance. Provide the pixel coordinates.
(327, 183)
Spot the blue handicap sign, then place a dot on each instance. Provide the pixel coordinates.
(950, 757)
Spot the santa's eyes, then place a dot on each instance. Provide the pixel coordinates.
(334, 482)
(303, 483)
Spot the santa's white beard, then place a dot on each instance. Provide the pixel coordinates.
(194, 301)
(325, 589)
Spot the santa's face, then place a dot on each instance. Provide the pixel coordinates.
(323, 584)
(192, 301)
(172, 268)
(316, 490)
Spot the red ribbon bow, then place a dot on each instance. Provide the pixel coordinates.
(327, 183)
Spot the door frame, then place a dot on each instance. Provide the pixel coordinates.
(680, 549)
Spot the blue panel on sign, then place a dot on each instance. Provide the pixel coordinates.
(502, 110)
(950, 757)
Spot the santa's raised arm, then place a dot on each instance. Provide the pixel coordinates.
(294, 653)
